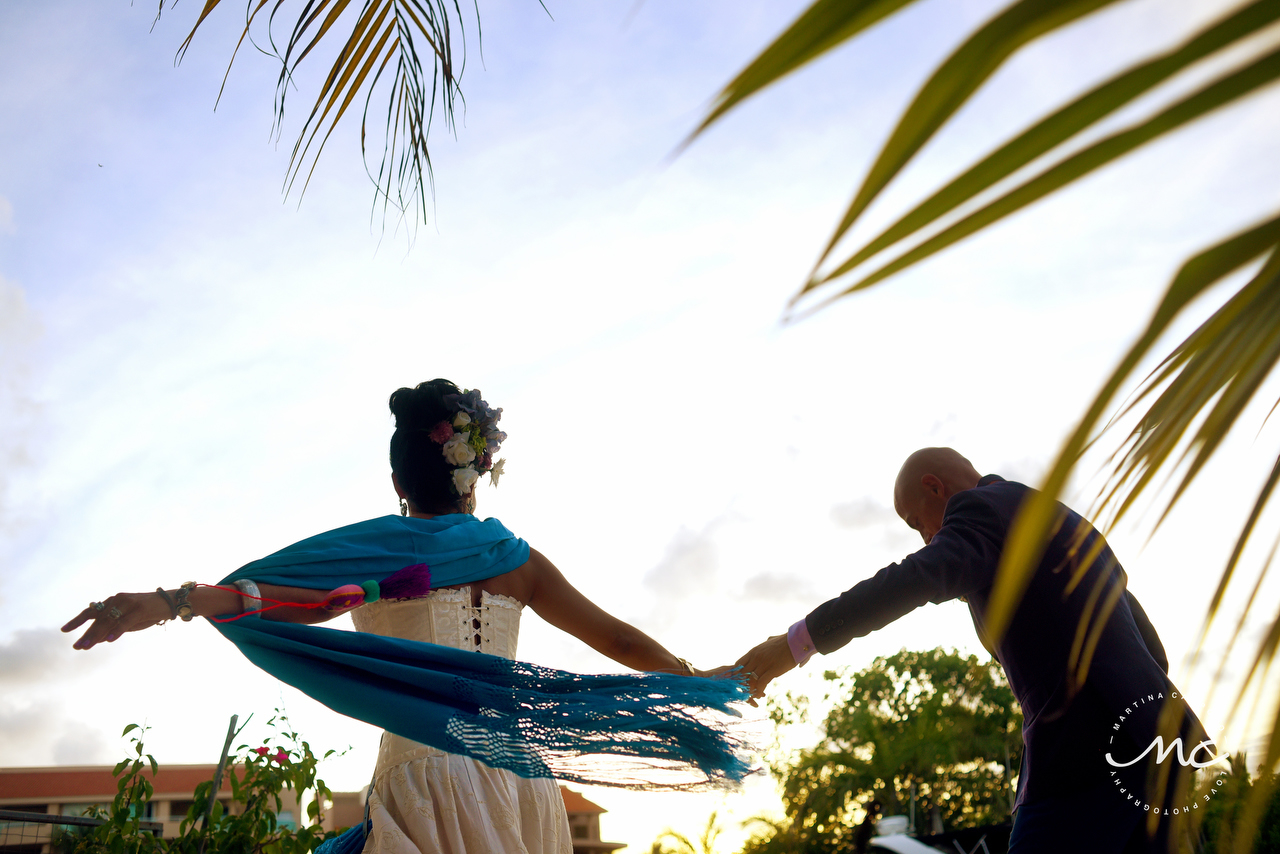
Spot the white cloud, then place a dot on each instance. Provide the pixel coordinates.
(688, 568)
(863, 512)
(777, 587)
(80, 744)
(19, 327)
(47, 732)
(33, 656)
(19, 331)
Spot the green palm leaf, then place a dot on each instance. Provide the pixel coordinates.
(1220, 93)
(1062, 125)
(824, 25)
(384, 39)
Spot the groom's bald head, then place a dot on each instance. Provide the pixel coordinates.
(925, 483)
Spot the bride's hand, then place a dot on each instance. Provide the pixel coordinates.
(730, 671)
(723, 671)
(124, 612)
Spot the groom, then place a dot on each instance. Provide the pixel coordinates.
(1076, 793)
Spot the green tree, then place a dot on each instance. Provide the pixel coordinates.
(1226, 797)
(1182, 411)
(937, 723)
(771, 836)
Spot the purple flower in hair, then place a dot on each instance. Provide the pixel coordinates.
(457, 403)
(486, 462)
(468, 402)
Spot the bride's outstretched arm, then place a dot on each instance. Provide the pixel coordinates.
(111, 618)
(558, 602)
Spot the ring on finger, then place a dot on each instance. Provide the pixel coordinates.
(98, 606)
(114, 613)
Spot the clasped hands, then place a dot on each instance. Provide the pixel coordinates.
(760, 666)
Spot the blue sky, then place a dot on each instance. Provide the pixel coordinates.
(194, 370)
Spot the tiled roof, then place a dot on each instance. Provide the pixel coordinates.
(95, 782)
(574, 802)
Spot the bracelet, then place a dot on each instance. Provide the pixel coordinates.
(250, 597)
(184, 609)
(173, 606)
(687, 665)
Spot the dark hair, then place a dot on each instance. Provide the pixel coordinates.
(416, 459)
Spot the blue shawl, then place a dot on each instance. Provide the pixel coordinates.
(531, 720)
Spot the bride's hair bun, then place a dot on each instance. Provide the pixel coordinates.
(416, 460)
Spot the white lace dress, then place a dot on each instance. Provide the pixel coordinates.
(426, 801)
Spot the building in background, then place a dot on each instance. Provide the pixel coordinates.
(75, 790)
(584, 824)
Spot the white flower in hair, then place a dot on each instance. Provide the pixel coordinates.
(462, 419)
(464, 479)
(458, 450)
(496, 471)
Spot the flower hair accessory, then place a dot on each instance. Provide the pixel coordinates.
(470, 440)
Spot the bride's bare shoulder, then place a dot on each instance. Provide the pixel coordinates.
(519, 584)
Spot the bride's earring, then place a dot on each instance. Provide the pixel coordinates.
(404, 507)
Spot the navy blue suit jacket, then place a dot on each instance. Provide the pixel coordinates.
(1067, 728)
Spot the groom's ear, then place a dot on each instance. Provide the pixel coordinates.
(933, 485)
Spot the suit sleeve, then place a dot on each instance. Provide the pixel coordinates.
(961, 559)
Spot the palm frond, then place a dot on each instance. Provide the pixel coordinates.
(1194, 398)
(824, 25)
(950, 86)
(1051, 132)
(1026, 541)
(386, 36)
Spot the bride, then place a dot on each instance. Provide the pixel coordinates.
(425, 797)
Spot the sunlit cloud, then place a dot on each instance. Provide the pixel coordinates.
(39, 656)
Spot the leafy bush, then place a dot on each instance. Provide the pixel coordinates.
(258, 777)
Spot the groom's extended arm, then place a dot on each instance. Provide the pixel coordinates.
(961, 559)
